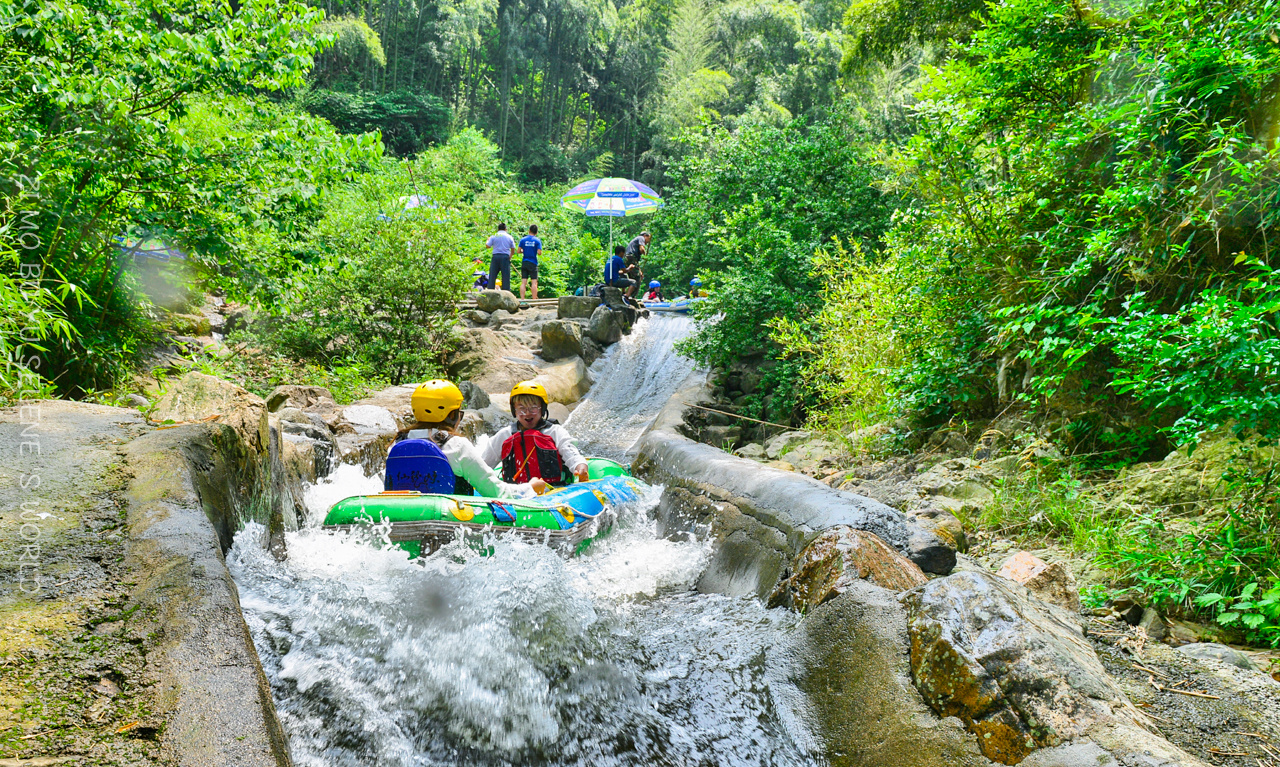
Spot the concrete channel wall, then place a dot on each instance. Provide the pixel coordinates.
(131, 646)
(761, 517)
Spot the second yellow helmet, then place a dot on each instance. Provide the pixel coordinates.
(434, 400)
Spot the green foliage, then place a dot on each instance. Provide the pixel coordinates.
(408, 122)
(1215, 360)
(89, 92)
(746, 214)
(1089, 195)
(388, 302)
(355, 47)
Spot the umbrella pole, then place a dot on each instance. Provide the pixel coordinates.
(610, 253)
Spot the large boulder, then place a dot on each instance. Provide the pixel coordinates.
(200, 397)
(302, 397)
(837, 558)
(606, 325)
(492, 300)
(561, 338)
(565, 382)
(580, 307)
(1018, 672)
(365, 433)
(492, 360)
(1051, 582)
(776, 446)
(850, 661)
(473, 397)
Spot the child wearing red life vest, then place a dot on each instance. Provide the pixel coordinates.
(534, 446)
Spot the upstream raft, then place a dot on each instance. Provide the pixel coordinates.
(678, 306)
(566, 518)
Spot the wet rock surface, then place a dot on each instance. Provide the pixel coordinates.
(834, 560)
(1051, 582)
(131, 649)
(1019, 673)
(200, 397)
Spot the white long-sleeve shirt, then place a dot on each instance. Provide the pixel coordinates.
(466, 461)
(569, 453)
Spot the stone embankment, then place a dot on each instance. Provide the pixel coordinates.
(902, 667)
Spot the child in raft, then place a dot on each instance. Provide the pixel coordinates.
(533, 446)
(437, 406)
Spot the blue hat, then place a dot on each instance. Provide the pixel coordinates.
(655, 284)
(695, 282)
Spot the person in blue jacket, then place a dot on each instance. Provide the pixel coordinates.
(616, 272)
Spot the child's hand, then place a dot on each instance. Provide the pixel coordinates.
(538, 485)
(580, 471)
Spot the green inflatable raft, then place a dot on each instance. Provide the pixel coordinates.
(566, 518)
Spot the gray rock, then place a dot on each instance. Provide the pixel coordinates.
(1019, 673)
(790, 505)
(135, 401)
(558, 412)
(720, 436)
(570, 307)
(501, 318)
(851, 659)
(560, 339)
(1218, 652)
(302, 397)
(197, 397)
(476, 316)
(591, 350)
(492, 300)
(473, 397)
(495, 418)
(606, 325)
(1153, 624)
(778, 445)
(292, 415)
(752, 450)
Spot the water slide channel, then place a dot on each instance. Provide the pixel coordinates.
(524, 657)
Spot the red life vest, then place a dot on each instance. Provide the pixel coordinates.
(531, 453)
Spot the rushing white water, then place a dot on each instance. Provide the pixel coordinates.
(522, 657)
(632, 382)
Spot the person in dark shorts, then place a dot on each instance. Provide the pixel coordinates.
(530, 249)
(616, 272)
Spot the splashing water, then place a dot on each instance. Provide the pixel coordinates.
(522, 657)
(633, 381)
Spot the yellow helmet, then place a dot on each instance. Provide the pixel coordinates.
(434, 400)
(529, 387)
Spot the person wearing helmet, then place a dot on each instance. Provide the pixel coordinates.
(655, 292)
(695, 289)
(533, 446)
(437, 409)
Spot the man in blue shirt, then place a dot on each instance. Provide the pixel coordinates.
(531, 248)
(616, 269)
(500, 262)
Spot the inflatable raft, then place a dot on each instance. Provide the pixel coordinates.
(566, 518)
(680, 305)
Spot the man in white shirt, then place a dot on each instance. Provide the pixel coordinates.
(501, 244)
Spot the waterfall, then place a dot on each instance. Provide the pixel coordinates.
(523, 657)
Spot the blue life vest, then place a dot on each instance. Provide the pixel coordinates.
(418, 464)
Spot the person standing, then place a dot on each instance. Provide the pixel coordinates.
(530, 249)
(636, 249)
(501, 245)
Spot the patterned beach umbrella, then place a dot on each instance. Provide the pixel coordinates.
(611, 197)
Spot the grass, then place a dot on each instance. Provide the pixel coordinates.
(1214, 561)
